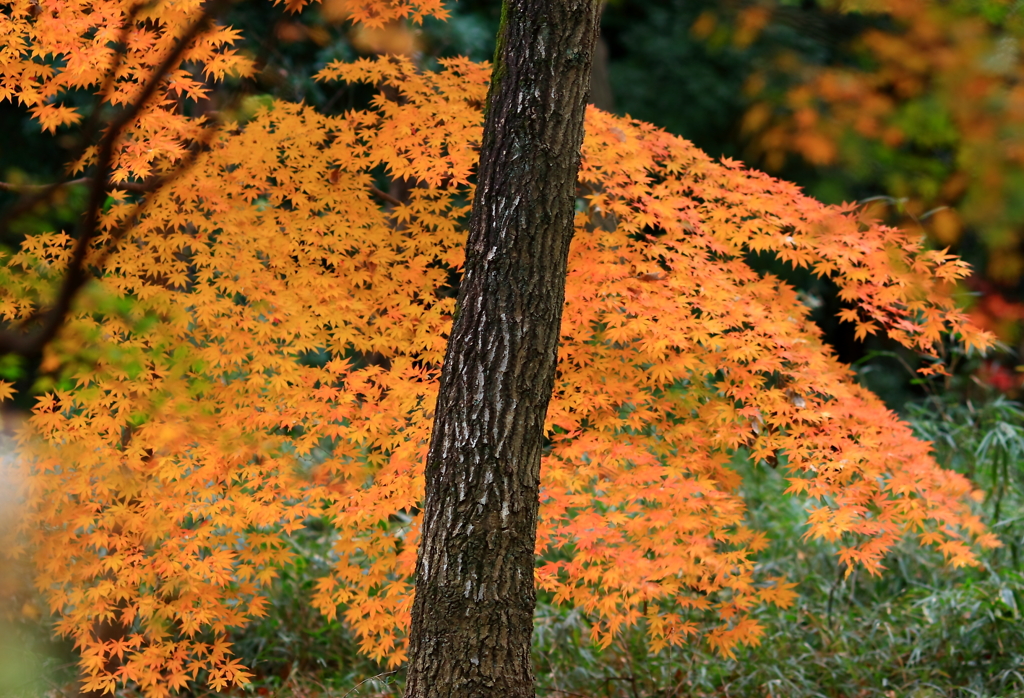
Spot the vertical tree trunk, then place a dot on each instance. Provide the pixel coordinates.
(601, 94)
(473, 616)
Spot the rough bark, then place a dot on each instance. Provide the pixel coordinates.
(472, 620)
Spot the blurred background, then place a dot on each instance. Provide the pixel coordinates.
(910, 111)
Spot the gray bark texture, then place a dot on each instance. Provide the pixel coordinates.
(472, 620)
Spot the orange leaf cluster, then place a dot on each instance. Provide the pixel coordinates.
(376, 14)
(265, 346)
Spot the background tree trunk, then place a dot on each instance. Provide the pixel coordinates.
(472, 620)
(601, 94)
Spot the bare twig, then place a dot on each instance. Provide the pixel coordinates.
(384, 196)
(372, 678)
(840, 574)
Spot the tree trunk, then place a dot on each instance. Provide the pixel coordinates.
(601, 94)
(472, 620)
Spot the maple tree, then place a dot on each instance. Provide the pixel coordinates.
(261, 342)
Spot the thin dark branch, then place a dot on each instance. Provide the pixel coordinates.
(840, 575)
(104, 157)
(50, 321)
(384, 196)
(338, 94)
(131, 187)
(90, 127)
(372, 678)
(119, 233)
(44, 193)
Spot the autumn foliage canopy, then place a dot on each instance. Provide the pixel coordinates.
(263, 344)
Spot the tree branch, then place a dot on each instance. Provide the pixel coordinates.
(384, 196)
(31, 343)
(131, 187)
(45, 193)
